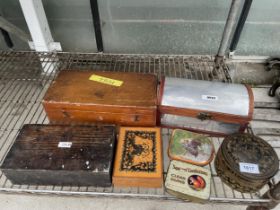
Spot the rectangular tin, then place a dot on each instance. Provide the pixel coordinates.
(188, 182)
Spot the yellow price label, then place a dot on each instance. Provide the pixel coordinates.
(106, 80)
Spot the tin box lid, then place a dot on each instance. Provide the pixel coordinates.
(215, 97)
(191, 147)
(189, 180)
(250, 156)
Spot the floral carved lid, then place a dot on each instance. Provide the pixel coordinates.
(191, 147)
(250, 156)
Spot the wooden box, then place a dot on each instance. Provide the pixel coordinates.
(61, 155)
(138, 160)
(214, 108)
(108, 97)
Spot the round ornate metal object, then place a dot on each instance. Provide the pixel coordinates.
(246, 162)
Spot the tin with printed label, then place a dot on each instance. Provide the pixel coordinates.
(188, 182)
(190, 147)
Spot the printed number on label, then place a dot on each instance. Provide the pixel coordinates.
(105, 80)
(209, 98)
(249, 168)
(64, 144)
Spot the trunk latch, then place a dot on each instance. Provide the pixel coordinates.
(204, 116)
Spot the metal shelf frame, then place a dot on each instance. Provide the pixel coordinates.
(26, 76)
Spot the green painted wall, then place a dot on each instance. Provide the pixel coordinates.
(154, 26)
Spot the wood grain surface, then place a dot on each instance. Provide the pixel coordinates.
(138, 160)
(73, 97)
(36, 156)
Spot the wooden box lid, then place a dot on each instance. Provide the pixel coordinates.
(138, 157)
(75, 87)
(63, 147)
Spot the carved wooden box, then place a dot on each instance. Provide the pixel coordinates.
(138, 160)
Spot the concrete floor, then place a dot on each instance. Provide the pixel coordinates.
(45, 202)
(252, 73)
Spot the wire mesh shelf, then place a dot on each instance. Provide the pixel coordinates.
(26, 76)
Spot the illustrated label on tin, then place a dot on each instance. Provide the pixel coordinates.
(209, 97)
(192, 182)
(249, 168)
(64, 144)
